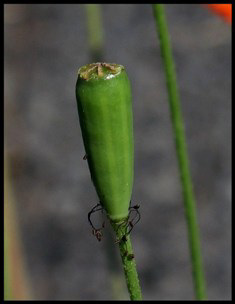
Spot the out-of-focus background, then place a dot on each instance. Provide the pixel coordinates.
(50, 183)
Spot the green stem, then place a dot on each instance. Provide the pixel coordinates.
(16, 280)
(180, 141)
(116, 280)
(95, 31)
(128, 261)
(7, 281)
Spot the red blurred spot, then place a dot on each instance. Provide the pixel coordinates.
(223, 10)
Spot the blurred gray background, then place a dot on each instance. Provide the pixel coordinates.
(44, 47)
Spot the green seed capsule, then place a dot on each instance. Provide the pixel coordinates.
(105, 113)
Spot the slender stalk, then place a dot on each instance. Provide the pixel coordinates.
(128, 262)
(115, 278)
(7, 284)
(16, 281)
(181, 149)
(95, 31)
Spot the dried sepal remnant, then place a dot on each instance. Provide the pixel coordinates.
(99, 70)
(127, 224)
(97, 232)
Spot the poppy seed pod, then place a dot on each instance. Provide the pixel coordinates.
(105, 113)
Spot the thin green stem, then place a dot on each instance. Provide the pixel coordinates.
(7, 283)
(116, 280)
(181, 149)
(95, 31)
(128, 261)
(16, 280)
